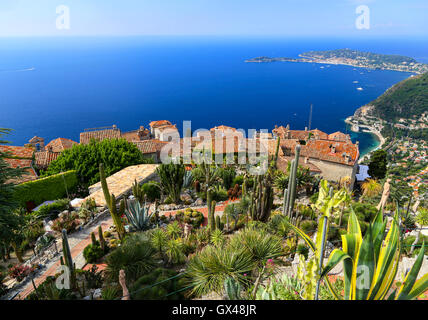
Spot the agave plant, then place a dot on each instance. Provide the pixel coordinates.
(138, 216)
(378, 258)
(187, 179)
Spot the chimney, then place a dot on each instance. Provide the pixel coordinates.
(306, 128)
(306, 159)
(114, 126)
(50, 149)
(333, 149)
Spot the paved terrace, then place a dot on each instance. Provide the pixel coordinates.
(121, 182)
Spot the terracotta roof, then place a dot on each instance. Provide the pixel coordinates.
(299, 134)
(20, 157)
(223, 128)
(44, 158)
(322, 150)
(339, 136)
(167, 127)
(136, 135)
(60, 144)
(159, 123)
(282, 164)
(87, 136)
(18, 152)
(149, 146)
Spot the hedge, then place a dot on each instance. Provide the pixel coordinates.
(49, 188)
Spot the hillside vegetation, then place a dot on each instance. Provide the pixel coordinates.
(406, 99)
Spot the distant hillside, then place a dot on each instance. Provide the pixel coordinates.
(405, 99)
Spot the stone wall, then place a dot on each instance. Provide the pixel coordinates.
(335, 171)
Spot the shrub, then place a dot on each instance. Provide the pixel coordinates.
(238, 180)
(308, 226)
(407, 244)
(48, 291)
(49, 188)
(115, 154)
(52, 210)
(167, 284)
(151, 190)
(111, 293)
(19, 272)
(93, 252)
(136, 256)
(191, 216)
(68, 221)
(278, 224)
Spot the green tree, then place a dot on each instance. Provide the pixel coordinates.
(9, 221)
(377, 165)
(115, 154)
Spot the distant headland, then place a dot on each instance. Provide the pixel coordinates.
(354, 58)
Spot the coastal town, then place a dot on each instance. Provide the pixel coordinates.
(354, 58)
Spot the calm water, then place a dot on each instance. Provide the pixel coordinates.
(56, 87)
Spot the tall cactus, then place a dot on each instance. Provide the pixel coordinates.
(137, 192)
(211, 216)
(292, 183)
(112, 205)
(262, 198)
(102, 240)
(67, 259)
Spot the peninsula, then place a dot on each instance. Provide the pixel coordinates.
(354, 58)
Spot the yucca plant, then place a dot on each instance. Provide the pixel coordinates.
(209, 269)
(174, 230)
(138, 215)
(175, 251)
(217, 238)
(187, 179)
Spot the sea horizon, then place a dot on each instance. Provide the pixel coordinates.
(57, 87)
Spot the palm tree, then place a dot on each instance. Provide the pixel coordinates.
(371, 188)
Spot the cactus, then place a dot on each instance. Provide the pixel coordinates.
(211, 219)
(94, 240)
(232, 289)
(278, 140)
(102, 240)
(67, 259)
(138, 192)
(217, 223)
(292, 184)
(112, 205)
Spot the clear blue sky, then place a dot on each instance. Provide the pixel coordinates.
(213, 17)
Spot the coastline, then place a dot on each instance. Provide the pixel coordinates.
(368, 129)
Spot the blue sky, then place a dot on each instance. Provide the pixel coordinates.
(214, 17)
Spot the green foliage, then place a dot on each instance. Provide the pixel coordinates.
(284, 288)
(136, 256)
(208, 270)
(138, 216)
(278, 224)
(52, 210)
(151, 190)
(68, 221)
(168, 286)
(48, 291)
(115, 154)
(406, 99)
(408, 241)
(93, 252)
(217, 238)
(303, 250)
(238, 180)
(191, 216)
(308, 226)
(171, 180)
(8, 220)
(377, 165)
(111, 293)
(422, 217)
(227, 175)
(232, 289)
(174, 230)
(48, 188)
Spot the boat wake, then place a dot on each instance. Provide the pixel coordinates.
(19, 70)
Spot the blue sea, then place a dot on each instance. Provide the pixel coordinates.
(57, 87)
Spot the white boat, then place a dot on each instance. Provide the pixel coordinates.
(359, 89)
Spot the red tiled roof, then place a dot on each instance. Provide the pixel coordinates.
(20, 157)
(339, 136)
(149, 146)
(60, 144)
(159, 123)
(282, 164)
(322, 150)
(136, 135)
(86, 137)
(18, 152)
(44, 158)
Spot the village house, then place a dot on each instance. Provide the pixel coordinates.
(334, 155)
